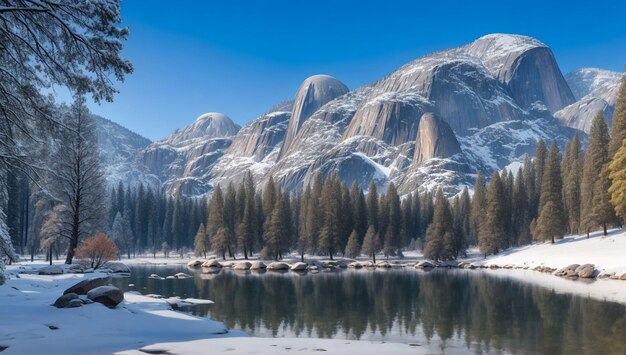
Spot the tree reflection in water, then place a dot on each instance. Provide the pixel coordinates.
(463, 308)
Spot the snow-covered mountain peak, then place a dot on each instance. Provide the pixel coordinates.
(592, 81)
(208, 125)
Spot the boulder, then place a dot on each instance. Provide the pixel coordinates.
(51, 270)
(313, 268)
(586, 271)
(76, 269)
(117, 267)
(355, 265)
(194, 264)
(383, 264)
(369, 264)
(212, 263)
(330, 264)
(171, 277)
(76, 302)
(242, 265)
(109, 296)
(154, 276)
(64, 301)
(278, 265)
(424, 264)
(258, 265)
(182, 275)
(623, 277)
(299, 266)
(85, 286)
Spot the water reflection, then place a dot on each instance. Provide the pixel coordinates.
(456, 308)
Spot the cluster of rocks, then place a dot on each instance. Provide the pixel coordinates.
(585, 271)
(90, 291)
(111, 268)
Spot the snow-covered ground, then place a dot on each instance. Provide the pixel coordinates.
(607, 253)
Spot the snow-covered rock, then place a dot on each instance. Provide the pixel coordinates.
(212, 263)
(299, 266)
(194, 264)
(51, 270)
(277, 266)
(182, 275)
(64, 300)
(118, 267)
(109, 296)
(86, 285)
(242, 265)
(258, 265)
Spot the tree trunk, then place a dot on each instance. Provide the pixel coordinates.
(605, 231)
(552, 239)
(374, 257)
(302, 257)
(50, 255)
(330, 252)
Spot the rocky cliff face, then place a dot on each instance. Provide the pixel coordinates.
(314, 92)
(435, 139)
(433, 123)
(119, 154)
(595, 90)
(183, 161)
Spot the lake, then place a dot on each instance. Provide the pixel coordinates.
(458, 310)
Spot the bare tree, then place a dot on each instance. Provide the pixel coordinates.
(44, 43)
(50, 233)
(77, 180)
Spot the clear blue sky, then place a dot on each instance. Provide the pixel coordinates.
(242, 57)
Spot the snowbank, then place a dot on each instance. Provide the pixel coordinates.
(607, 253)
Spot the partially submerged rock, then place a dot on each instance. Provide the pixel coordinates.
(424, 264)
(109, 296)
(586, 271)
(194, 264)
(85, 286)
(212, 263)
(182, 275)
(51, 270)
(355, 265)
(278, 265)
(117, 267)
(383, 264)
(242, 265)
(258, 265)
(299, 266)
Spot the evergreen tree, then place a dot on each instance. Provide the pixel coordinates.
(201, 242)
(603, 211)
(439, 243)
(618, 125)
(596, 158)
(477, 212)
(246, 230)
(372, 206)
(394, 222)
(371, 243)
(352, 248)
(230, 213)
(216, 225)
(617, 174)
(539, 163)
(277, 230)
(359, 211)
(520, 213)
(491, 232)
(572, 166)
(551, 222)
(331, 209)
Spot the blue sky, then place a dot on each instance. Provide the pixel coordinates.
(242, 57)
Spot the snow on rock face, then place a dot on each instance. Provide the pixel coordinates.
(208, 125)
(597, 90)
(314, 92)
(435, 139)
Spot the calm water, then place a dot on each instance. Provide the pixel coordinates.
(457, 310)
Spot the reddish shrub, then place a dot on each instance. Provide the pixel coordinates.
(98, 250)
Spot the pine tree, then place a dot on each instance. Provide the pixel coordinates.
(572, 166)
(201, 242)
(520, 217)
(539, 163)
(331, 212)
(352, 248)
(277, 230)
(216, 225)
(491, 232)
(359, 211)
(230, 213)
(439, 243)
(394, 222)
(618, 125)
(603, 211)
(617, 174)
(246, 230)
(372, 206)
(371, 243)
(596, 158)
(551, 222)
(479, 203)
